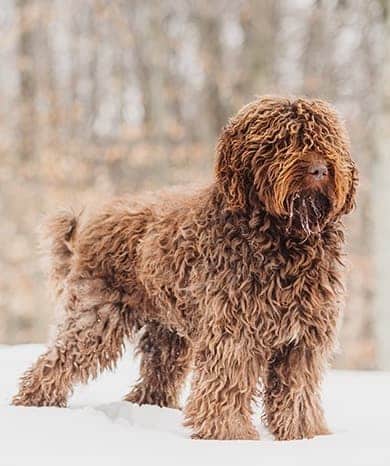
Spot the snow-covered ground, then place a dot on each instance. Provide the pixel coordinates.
(99, 428)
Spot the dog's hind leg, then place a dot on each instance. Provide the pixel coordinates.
(165, 362)
(90, 338)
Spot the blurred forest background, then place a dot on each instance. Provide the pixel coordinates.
(101, 97)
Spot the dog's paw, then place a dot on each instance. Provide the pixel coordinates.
(37, 397)
(301, 434)
(243, 433)
(145, 397)
(323, 431)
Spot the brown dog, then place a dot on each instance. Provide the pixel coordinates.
(239, 282)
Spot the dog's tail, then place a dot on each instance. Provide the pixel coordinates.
(58, 241)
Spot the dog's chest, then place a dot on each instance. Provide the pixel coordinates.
(296, 290)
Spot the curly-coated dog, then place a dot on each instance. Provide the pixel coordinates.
(239, 282)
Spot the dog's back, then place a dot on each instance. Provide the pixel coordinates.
(122, 244)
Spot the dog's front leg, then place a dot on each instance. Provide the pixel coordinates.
(292, 393)
(224, 382)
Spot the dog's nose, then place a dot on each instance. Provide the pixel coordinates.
(318, 170)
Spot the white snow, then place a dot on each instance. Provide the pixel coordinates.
(99, 428)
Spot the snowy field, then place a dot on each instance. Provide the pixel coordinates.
(98, 428)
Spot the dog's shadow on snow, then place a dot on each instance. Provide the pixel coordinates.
(145, 417)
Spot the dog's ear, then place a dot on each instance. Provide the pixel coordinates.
(231, 172)
(349, 203)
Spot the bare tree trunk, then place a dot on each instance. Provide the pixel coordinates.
(260, 24)
(27, 122)
(319, 79)
(381, 198)
(92, 103)
(47, 75)
(209, 27)
(142, 70)
(74, 111)
(361, 348)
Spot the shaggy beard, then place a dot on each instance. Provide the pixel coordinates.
(308, 212)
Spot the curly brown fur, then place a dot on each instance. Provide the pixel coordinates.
(161, 348)
(240, 281)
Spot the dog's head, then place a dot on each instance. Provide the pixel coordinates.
(291, 156)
